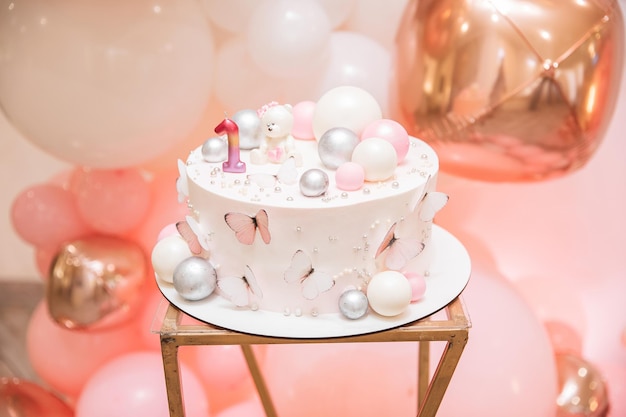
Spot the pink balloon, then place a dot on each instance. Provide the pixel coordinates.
(20, 398)
(564, 338)
(111, 201)
(220, 367)
(508, 350)
(43, 261)
(164, 210)
(363, 380)
(150, 316)
(65, 359)
(46, 215)
(303, 120)
(391, 131)
(133, 385)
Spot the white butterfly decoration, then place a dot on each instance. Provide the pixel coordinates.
(181, 182)
(195, 236)
(313, 282)
(287, 174)
(432, 202)
(399, 250)
(429, 202)
(241, 291)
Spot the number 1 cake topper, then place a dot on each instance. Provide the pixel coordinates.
(233, 163)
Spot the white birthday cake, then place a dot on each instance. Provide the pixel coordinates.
(339, 222)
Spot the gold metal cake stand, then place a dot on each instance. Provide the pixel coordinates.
(453, 329)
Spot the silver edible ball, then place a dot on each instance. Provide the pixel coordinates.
(249, 125)
(215, 149)
(353, 304)
(314, 182)
(336, 145)
(194, 278)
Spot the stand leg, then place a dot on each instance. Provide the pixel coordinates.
(423, 367)
(169, 351)
(253, 365)
(442, 375)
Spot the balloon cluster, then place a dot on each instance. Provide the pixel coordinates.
(122, 92)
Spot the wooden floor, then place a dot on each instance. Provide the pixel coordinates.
(17, 301)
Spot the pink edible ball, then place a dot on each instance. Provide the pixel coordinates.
(303, 120)
(168, 230)
(391, 131)
(349, 176)
(418, 285)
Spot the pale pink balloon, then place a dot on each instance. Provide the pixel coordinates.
(133, 384)
(111, 201)
(366, 380)
(86, 93)
(391, 131)
(164, 210)
(249, 408)
(508, 351)
(367, 15)
(64, 359)
(303, 120)
(46, 215)
(43, 260)
(350, 176)
(289, 39)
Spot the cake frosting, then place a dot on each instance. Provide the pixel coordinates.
(293, 234)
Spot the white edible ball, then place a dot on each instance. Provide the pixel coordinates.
(346, 106)
(167, 254)
(389, 293)
(378, 158)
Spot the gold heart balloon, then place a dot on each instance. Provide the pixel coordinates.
(508, 90)
(95, 282)
(583, 391)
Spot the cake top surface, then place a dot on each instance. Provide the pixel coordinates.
(276, 185)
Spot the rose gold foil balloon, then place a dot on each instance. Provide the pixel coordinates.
(19, 398)
(583, 392)
(508, 90)
(95, 282)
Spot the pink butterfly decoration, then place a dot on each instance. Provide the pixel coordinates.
(194, 235)
(241, 291)
(313, 282)
(399, 250)
(245, 226)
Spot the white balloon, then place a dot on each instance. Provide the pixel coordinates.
(339, 11)
(105, 85)
(233, 16)
(239, 83)
(289, 38)
(358, 61)
(345, 106)
(378, 20)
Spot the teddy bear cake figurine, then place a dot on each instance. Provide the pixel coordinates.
(277, 144)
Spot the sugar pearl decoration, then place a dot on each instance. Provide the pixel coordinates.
(167, 254)
(389, 293)
(336, 145)
(195, 278)
(377, 157)
(249, 125)
(313, 182)
(353, 304)
(215, 149)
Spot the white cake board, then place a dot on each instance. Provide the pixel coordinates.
(449, 274)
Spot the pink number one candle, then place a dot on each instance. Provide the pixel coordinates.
(233, 163)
